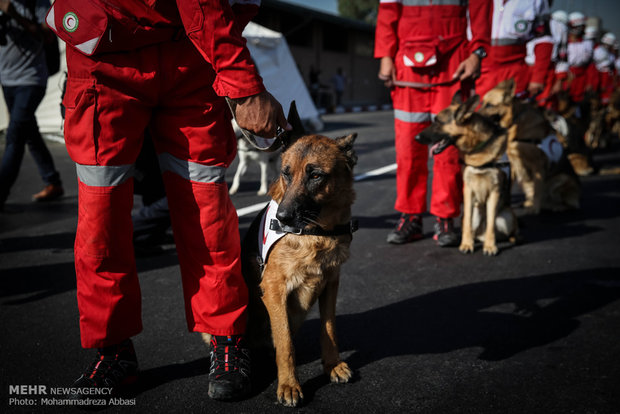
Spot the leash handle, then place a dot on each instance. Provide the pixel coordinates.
(260, 143)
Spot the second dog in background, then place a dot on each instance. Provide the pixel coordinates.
(267, 162)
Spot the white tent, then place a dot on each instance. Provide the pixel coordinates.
(270, 52)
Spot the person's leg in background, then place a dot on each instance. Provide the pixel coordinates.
(411, 174)
(22, 102)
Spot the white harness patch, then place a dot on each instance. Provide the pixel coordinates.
(267, 237)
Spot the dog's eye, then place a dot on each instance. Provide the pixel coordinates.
(286, 175)
(316, 176)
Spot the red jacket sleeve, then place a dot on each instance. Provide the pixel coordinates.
(480, 17)
(212, 28)
(542, 63)
(386, 33)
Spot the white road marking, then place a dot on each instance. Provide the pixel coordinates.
(244, 211)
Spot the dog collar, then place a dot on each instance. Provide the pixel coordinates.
(339, 230)
(269, 235)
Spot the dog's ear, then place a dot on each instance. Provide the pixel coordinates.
(346, 146)
(511, 87)
(465, 110)
(298, 130)
(457, 99)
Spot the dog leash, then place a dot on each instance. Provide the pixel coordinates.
(421, 85)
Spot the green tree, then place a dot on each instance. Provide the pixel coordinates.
(365, 10)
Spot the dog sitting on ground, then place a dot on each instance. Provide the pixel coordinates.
(267, 161)
(481, 142)
(538, 162)
(288, 268)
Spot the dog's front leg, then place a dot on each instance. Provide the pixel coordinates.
(489, 247)
(241, 169)
(264, 177)
(467, 240)
(337, 370)
(275, 300)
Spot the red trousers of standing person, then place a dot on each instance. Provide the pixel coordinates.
(413, 111)
(110, 102)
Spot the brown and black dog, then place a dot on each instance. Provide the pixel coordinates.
(547, 183)
(481, 142)
(311, 216)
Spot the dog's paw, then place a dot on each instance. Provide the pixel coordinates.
(341, 373)
(290, 395)
(233, 190)
(466, 247)
(261, 192)
(490, 250)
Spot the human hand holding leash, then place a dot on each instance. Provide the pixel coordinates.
(468, 69)
(260, 114)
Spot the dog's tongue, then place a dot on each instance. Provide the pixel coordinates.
(437, 147)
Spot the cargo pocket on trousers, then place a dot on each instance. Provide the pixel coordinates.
(80, 102)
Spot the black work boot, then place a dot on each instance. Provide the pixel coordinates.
(114, 367)
(229, 376)
(445, 234)
(408, 229)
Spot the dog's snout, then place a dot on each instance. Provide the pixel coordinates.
(284, 215)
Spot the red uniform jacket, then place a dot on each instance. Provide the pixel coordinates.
(399, 24)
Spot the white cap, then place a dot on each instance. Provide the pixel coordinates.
(608, 39)
(576, 19)
(590, 32)
(560, 16)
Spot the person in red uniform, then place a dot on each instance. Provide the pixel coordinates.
(426, 58)
(604, 61)
(579, 55)
(166, 67)
(513, 26)
(539, 58)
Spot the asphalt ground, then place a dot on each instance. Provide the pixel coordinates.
(535, 329)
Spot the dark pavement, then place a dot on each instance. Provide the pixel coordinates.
(426, 330)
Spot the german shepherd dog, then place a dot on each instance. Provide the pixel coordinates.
(545, 174)
(481, 142)
(314, 194)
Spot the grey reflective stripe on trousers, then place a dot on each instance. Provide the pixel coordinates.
(104, 175)
(435, 3)
(192, 171)
(414, 117)
(507, 42)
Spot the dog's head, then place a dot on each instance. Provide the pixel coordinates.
(475, 136)
(451, 126)
(497, 103)
(315, 187)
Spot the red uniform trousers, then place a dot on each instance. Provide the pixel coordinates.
(578, 80)
(413, 110)
(606, 86)
(111, 99)
(545, 99)
(503, 63)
